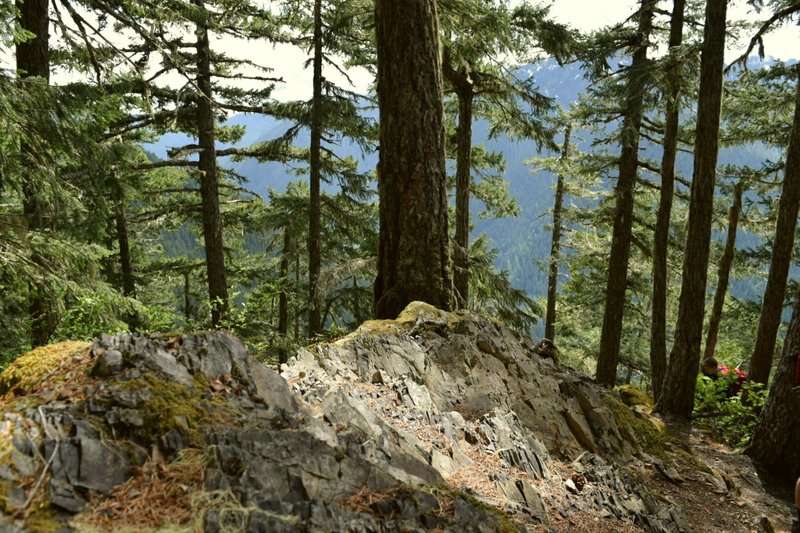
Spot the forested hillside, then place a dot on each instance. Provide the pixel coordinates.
(530, 185)
(629, 192)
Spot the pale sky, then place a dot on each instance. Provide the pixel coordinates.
(583, 15)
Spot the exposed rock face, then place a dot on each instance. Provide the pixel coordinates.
(362, 434)
(486, 390)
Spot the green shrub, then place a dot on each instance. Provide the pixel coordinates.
(730, 419)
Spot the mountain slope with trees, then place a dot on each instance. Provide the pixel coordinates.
(289, 222)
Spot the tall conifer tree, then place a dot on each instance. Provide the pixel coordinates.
(679, 385)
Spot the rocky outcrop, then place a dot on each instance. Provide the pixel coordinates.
(432, 421)
(470, 388)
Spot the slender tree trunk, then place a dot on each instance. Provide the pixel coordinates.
(413, 250)
(679, 384)
(782, 248)
(465, 92)
(33, 60)
(357, 317)
(209, 186)
(724, 272)
(611, 334)
(658, 328)
(126, 264)
(463, 179)
(187, 296)
(555, 246)
(314, 208)
(283, 301)
(297, 309)
(776, 439)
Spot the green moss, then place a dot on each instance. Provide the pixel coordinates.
(42, 520)
(169, 405)
(414, 310)
(504, 522)
(370, 328)
(632, 395)
(648, 433)
(4, 490)
(21, 376)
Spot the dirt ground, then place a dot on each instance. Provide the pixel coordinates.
(749, 500)
(744, 504)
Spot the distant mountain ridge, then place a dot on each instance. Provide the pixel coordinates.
(520, 241)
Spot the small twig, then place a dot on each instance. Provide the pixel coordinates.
(39, 481)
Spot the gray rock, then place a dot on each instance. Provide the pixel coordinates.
(668, 471)
(23, 464)
(533, 501)
(102, 467)
(63, 495)
(272, 389)
(109, 362)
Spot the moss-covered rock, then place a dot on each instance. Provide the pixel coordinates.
(28, 370)
(632, 395)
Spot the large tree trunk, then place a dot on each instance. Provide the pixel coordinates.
(209, 187)
(623, 216)
(658, 328)
(33, 60)
(679, 383)
(782, 248)
(776, 439)
(314, 207)
(413, 252)
(555, 245)
(724, 272)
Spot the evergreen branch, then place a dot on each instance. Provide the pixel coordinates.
(787, 11)
(159, 192)
(162, 164)
(79, 23)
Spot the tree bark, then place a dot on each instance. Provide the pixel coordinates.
(33, 56)
(463, 179)
(297, 309)
(724, 271)
(283, 301)
(555, 246)
(658, 328)
(209, 186)
(677, 396)
(611, 333)
(33, 60)
(776, 439)
(413, 253)
(187, 295)
(314, 207)
(782, 248)
(126, 264)
(465, 92)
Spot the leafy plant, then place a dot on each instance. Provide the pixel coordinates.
(730, 419)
